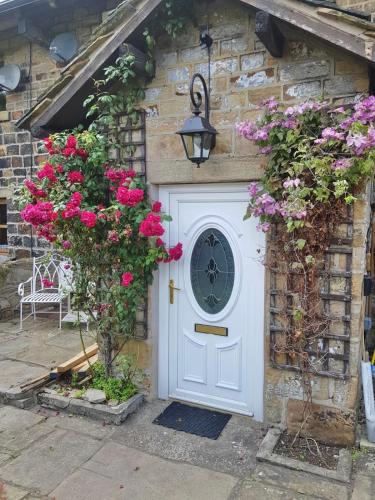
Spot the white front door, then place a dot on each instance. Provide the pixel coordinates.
(211, 336)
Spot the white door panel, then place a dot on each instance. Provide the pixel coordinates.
(222, 286)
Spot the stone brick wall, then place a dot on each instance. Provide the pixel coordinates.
(18, 153)
(367, 6)
(243, 74)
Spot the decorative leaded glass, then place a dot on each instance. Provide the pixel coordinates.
(212, 271)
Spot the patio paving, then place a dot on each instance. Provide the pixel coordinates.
(30, 353)
(50, 455)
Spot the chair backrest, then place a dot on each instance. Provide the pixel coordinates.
(66, 277)
(47, 272)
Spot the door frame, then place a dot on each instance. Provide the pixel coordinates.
(164, 275)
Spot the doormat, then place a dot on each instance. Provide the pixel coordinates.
(193, 420)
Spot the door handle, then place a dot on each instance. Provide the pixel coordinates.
(172, 288)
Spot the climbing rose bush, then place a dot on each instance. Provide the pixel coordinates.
(315, 155)
(99, 216)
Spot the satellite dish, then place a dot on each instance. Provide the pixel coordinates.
(64, 47)
(10, 77)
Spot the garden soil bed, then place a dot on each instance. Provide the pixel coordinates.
(308, 450)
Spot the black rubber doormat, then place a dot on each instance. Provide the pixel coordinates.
(193, 420)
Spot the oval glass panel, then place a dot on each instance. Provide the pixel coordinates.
(212, 271)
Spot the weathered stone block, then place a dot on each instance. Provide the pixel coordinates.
(304, 71)
(234, 46)
(303, 90)
(256, 79)
(341, 85)
(218, 67)
(178, 74)
(326, 424)
(252, 61)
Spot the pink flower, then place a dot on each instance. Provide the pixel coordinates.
(254, 189)
(156, 207)
(48, 144)
(88, 219)
(71, 142)
(47, 172)
(60, 169)
(291, 183)
(68, 152)
(66, 245)
(176, 252)
(129, 197)
(31, 187)
(76, 199)
(126, 279)
(151, 226)
(159, 242)
(265, 227)
(75, 177)
(39, 214)
(330, 133)
(70, 211)
(113, 236)
(47, 283)
(342, 164)
(82, 153)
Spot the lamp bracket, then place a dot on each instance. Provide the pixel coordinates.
(196, 97)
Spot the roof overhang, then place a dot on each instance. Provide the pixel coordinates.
(337, 28)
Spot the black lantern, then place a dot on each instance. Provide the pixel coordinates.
(197, 134)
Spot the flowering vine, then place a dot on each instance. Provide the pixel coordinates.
(319, 159)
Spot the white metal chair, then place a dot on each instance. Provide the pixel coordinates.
(55, 269)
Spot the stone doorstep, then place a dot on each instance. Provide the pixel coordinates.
(110, 414)
(266, 454)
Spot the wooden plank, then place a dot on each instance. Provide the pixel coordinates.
(35, 381)
(85, 365)
(347, 18)
(79, 358)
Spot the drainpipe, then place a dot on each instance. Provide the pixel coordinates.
(368, 396)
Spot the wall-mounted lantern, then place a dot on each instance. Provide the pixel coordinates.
(197, 134)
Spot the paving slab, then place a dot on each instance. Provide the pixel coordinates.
(233, 453)
(14, 493)
(83, 425)
(143, 476)
(364, 487)
(300, 482)
(46, 463)
(253, 490)
(15, 420)
(15, 373)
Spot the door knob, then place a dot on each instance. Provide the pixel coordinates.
(172, 288)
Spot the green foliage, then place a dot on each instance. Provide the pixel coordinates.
(119, 388)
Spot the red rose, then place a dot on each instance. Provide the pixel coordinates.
(47, 171)
(126, 279)
(176, 252)
(82, 153)
(71, 142)
(88, 219)
(75, 177)
(151, 226)
(76, 199)
(129, 197)
(156, 207)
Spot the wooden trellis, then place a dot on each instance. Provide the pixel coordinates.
(131, 155)
(329, 355)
